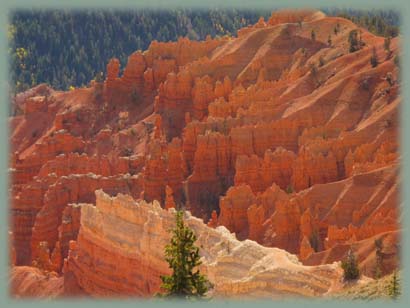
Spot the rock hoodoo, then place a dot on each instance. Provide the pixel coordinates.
(287, 142)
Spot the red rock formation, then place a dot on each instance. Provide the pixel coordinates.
(35, 104)
(68, 230)
(149, 83)
(289, 156)
(202, 95)
(28, 166)
(275, 167)
(134, 71)
(113, 69)
(169, 198)
(293, 16)
(183, 51)
(213, 222)
(365, 251)
(173, 100)
(311, 168)
(175, 168)
(210, 175)
(107, 259)
(306, 249)
(259, 213)
(30, 282)
(234, 209)
(155, 174)
(71, 189)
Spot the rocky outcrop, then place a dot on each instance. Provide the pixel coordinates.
(61, 142)
(335, 211)
(124, 242)
(30, 282)
(211, 173)
(174, 99)
(369, 259)
(169, 198)
(260, 173)
(234, 208)
(134, 71)
(202, 95)
(278, 137)
(155, 174)
(293, 16)
(71, 189)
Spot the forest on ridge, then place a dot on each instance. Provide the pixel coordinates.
(65, 48)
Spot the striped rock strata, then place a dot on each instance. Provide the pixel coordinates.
(119, 252)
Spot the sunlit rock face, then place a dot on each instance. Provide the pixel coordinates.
(123, 241)
(289, 142)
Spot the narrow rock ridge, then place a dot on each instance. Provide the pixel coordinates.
(120, 247)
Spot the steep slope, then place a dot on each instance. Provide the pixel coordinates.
(120, 247)
(281, 135)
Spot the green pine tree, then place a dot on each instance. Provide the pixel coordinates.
(313, 35)
(394, 287)
(373, 59)
(387, 42)
(379, 258)
(183, 258)
(350, 267)
(314, 240)
(354, 41)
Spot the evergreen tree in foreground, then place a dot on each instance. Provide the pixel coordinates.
(183, 258)
(350, 267)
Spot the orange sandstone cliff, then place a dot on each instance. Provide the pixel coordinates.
(284, 145)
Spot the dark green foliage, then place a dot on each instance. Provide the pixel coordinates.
(289, 189)
(336, 29)
(313, 35)
(364, 84)
(314, 73)
(321, 61)
(354, 41)
(126, 152)
(67, 48)
(314, 240)
(373, 59)
(99, 77)
(387, 41)
(135, 96)
(396, 61)
(313, 70)
(394, 287)
(379, 258)
(183, 258)
(63, 47)
(379, 22)
(389, 78)
(350, 267)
